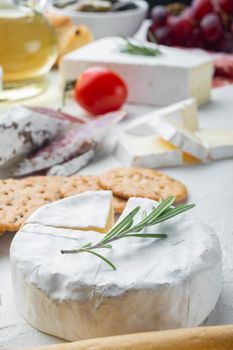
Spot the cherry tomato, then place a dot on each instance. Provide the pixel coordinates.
(100, 90)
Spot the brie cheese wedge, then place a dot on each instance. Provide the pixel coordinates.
(172, 76)
(183, 114)
(79, 212)
(184, 139)
(218, 142)
(147, 151)
(158, 284)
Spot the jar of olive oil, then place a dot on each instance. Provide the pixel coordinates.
(28, 50)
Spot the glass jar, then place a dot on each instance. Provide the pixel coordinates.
(28, 50)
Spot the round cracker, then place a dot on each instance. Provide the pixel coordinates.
(140, 182)
(119, 204)
(79, 183)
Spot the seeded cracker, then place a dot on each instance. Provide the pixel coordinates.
(146, 183)
(20, 198)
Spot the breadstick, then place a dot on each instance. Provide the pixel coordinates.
(201, 338)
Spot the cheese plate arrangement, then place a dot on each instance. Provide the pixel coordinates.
(101, 247)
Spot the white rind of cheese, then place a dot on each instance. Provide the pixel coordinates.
(160, 80)
(158, 284)
(77, 212)
(147, 151)
(23, 130)
(184, 139)
(218, 142)
(183, 114)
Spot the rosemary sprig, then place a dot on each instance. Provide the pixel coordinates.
(126, 228)
(69, 85)
(137, 47)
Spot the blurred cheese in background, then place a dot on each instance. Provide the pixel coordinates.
(172, 76)
(70, 37)
(147, 151)
(171, 136)
(219, 142)
(183, 113)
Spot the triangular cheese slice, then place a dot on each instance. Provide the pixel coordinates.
(92, 210)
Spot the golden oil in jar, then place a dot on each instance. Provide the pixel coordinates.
(28, 50)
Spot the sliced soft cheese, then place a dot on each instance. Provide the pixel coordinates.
(218, 142)
(177, 124)
(172, 76)
(86, 211)
(158, 284)
(184, 139)
(183, 114)
(147, 151)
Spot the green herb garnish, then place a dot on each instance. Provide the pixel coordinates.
(126, 228)
(137, 47)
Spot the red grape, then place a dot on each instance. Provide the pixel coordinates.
(162, 35)
(202, 8)
(188, 14)
(159, 15)
(195, 39)
(211, 27)
(206, 24)
(227, 6)
(180, 29)
(225, 43)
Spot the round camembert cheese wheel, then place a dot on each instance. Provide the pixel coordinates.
(159, 283)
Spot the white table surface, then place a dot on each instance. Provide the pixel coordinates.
(211, 182)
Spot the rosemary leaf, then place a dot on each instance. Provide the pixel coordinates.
(108, 246)
(137, 47)
(146, 235)
(125, 228)
(118, 227)
(99, 256)
(155, 213)
(174, 212)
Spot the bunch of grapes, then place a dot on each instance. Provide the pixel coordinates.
(206, 24)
